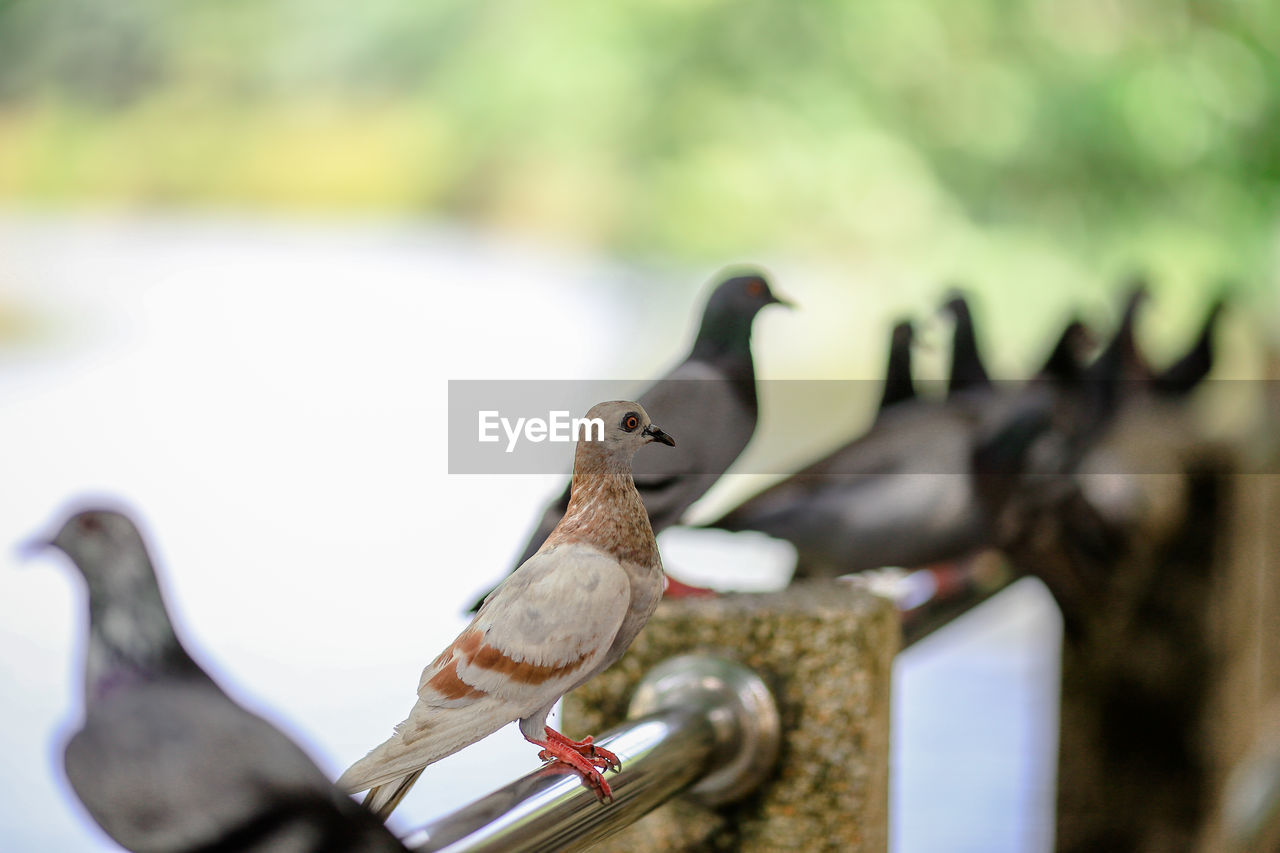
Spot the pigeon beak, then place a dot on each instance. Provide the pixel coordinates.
(775, 299)
(656, 434)
(33, 547)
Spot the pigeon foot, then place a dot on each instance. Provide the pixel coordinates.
(597, 755)
(584, 757)
(679, 589)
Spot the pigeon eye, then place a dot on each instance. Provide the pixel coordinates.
(630, 421)
(755, 287)
(89, 524)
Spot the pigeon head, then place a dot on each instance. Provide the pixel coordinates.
(604, 506)
(128, 622)
(957, 306)
(95, 537)
(727, 319)
(1079, 338)
(904, 334)
(107, 549)
(967, 369)
(1070, 353)
(898, 383)
(1137, 294)
(1121, 358)
(627, 428)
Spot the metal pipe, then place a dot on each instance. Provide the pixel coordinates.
(696, 723)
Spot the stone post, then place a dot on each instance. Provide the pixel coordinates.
(827, 652)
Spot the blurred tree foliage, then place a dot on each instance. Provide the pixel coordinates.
(694, 129)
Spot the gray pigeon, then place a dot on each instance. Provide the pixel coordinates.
(165, 760)
(967, 370)
(899, 495)
(709, 400)
(1186, 372)
(899, 384)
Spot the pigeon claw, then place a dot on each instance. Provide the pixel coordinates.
(597, 755)
(584, 757)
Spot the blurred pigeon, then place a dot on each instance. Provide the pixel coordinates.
(899, 385)
(1053, 420)
(967, 370)
(1149, 432)
(899, 495)
(1069, 491)
(709, 400)
(902, 494)
(1067, 359)
(568, 613)
(166, 761)
(1185, 373)
(1120, 367)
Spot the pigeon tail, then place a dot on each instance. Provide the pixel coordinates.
(428, 735)
(383, 799)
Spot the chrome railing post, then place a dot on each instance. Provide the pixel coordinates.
(697, 723)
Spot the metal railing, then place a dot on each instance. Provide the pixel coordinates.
(697, 724)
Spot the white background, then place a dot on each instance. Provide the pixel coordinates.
(269, 400)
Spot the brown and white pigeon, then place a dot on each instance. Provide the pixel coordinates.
(567, 613)
(165, 760)
(708, 399)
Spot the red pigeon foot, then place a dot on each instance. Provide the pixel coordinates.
(557, 747)
(597, 755)
(679, 589)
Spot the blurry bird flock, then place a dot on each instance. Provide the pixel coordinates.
(166, 761)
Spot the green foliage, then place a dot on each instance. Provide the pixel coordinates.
(698, 129)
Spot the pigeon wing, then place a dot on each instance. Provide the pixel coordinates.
(547, 627)
(545, 630)
(177, 766)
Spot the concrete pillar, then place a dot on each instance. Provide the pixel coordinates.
(827, 652)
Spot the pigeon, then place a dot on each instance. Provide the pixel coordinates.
(1186, 372)
(1067, 492)
(899, 386)
(967, 370)
(902, 494)
(1148, 431)
(709, 399)
(1067, 359)
(1055, 418)
(165, 760)
(566, 614)
(1018, 459)
(898, 495)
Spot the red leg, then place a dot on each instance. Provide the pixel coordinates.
(597, 755)
(556, 748)
(679, 589)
